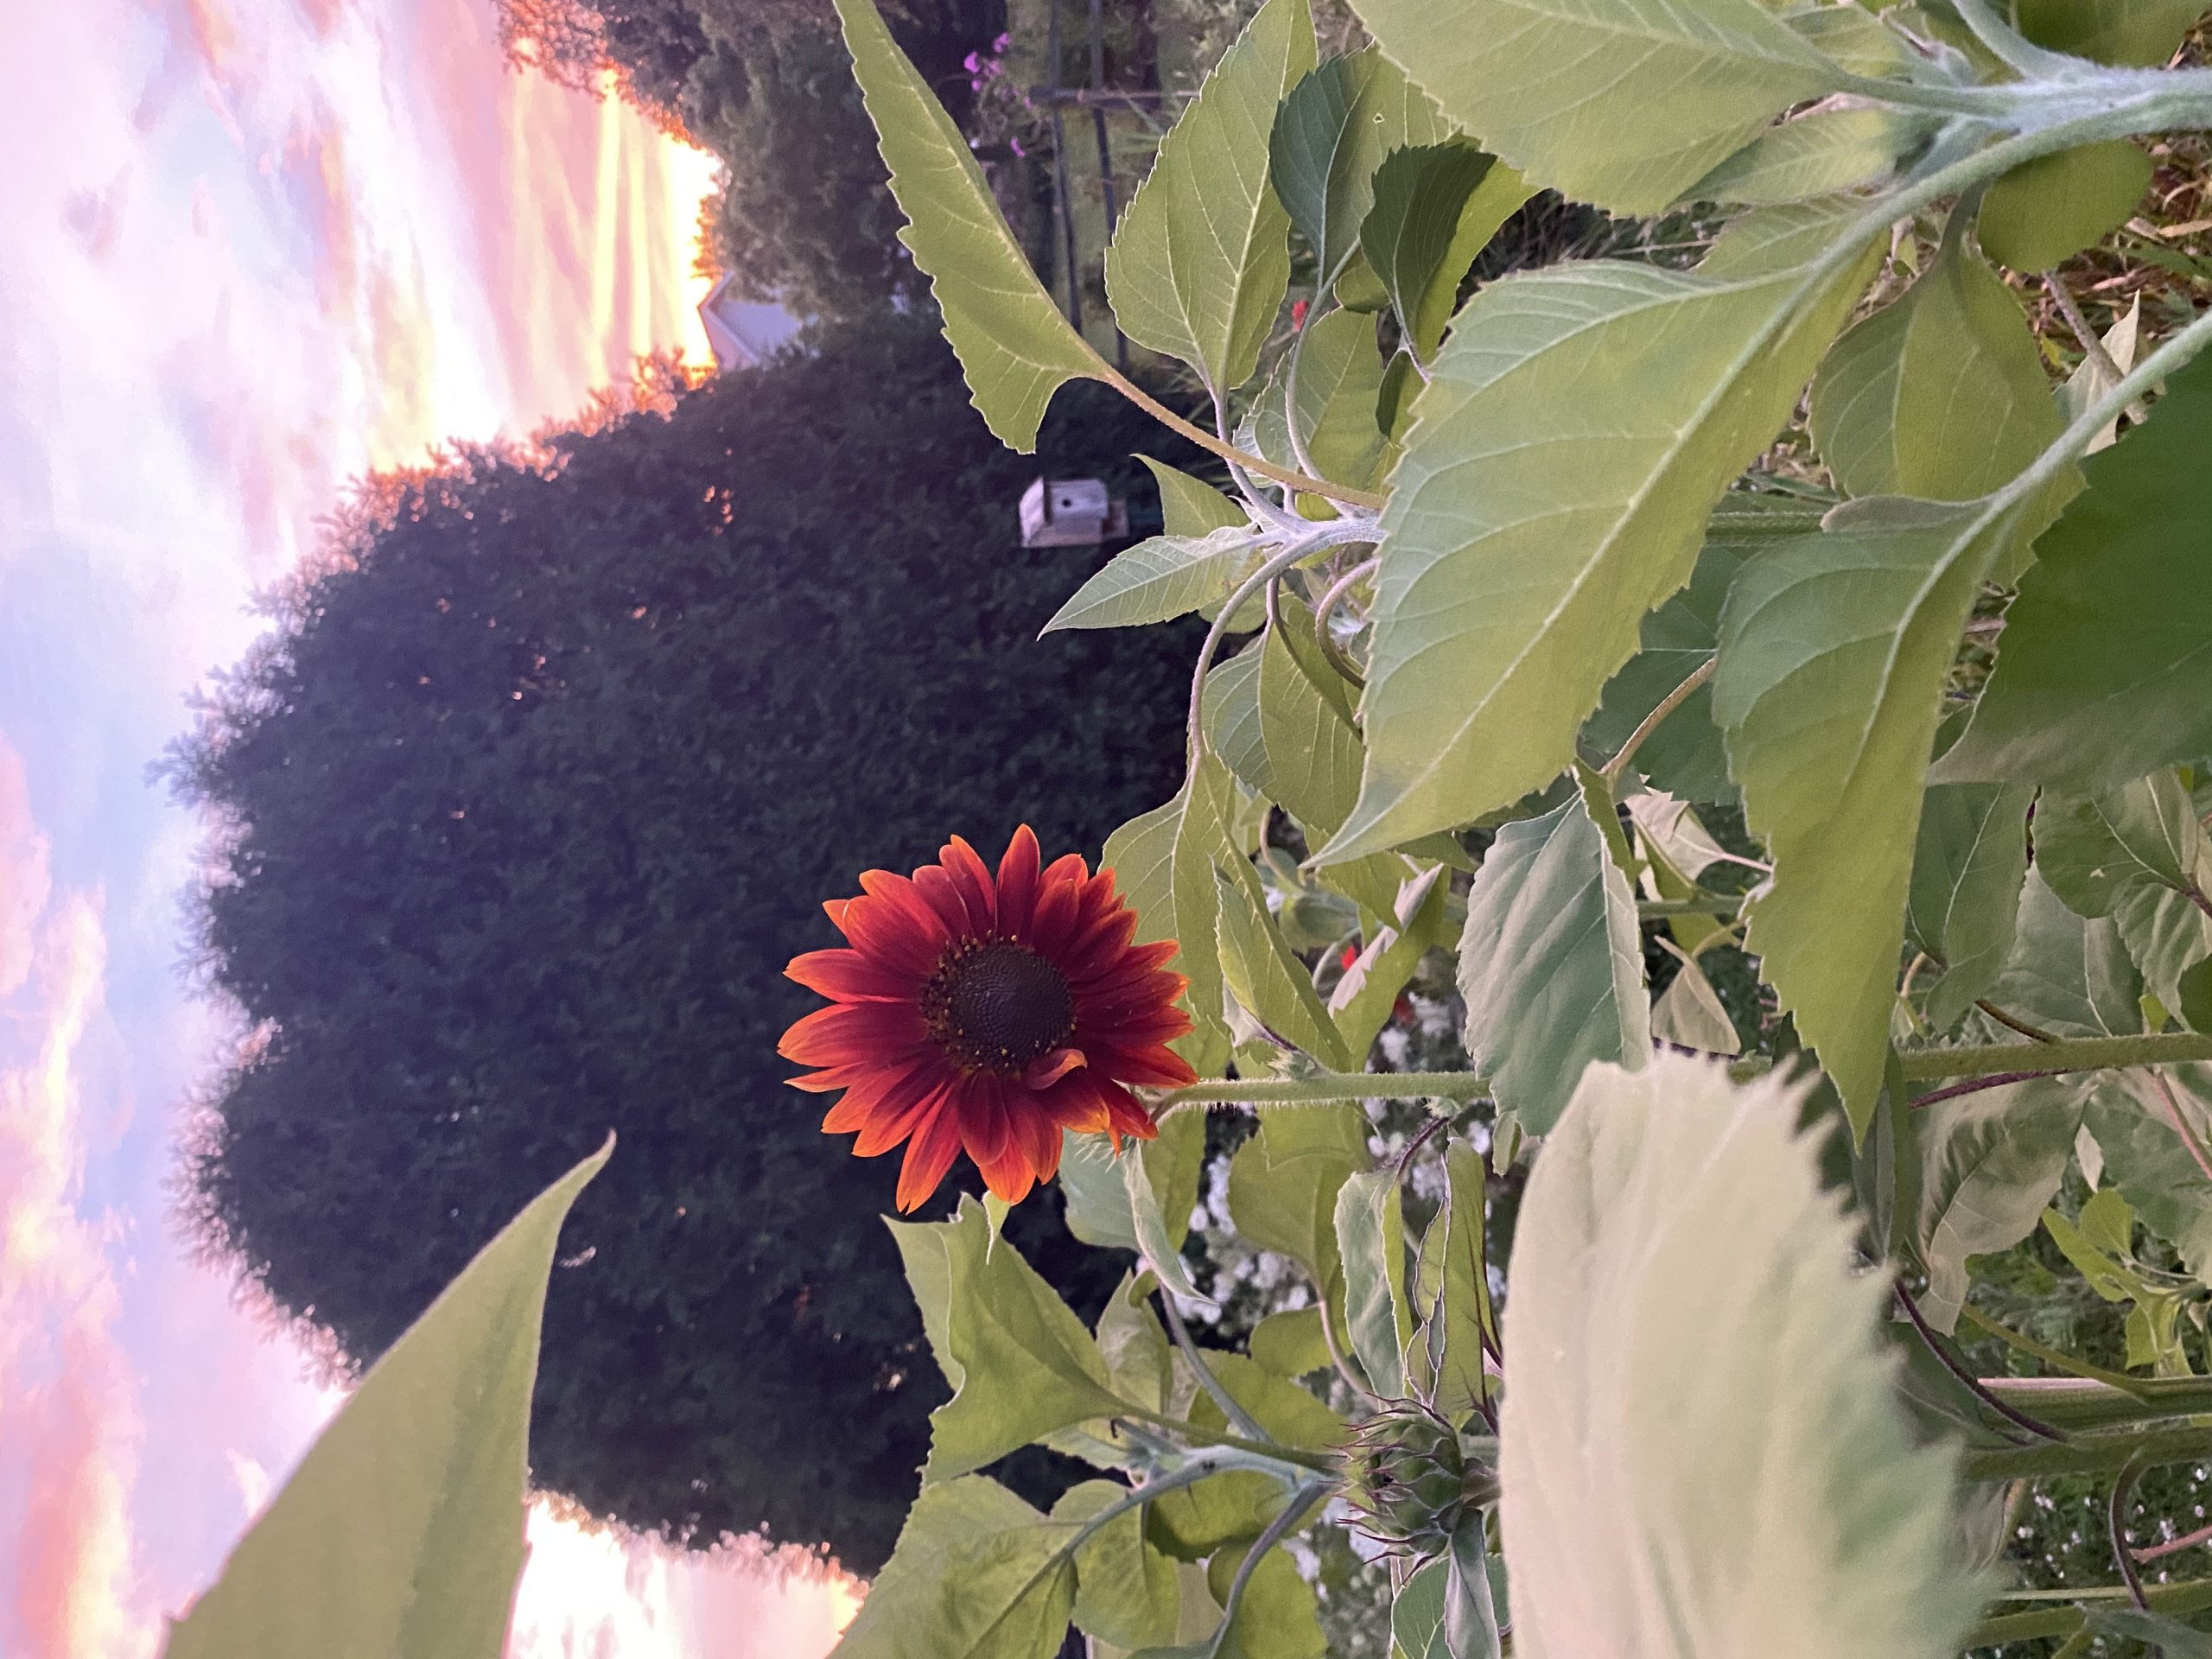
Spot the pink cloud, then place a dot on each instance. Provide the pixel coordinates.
(64, 1382)
(24, 882)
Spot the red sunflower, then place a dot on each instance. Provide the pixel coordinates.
(987, 1014)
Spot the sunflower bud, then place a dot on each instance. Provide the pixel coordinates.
(1408, 1480)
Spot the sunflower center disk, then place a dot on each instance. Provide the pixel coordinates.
(995, 1006)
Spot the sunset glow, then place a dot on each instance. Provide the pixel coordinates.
(255, 247)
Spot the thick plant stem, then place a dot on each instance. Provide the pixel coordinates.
(2074, 1054)
(1242, 1419)
(2190, 1596)
(2090, 1455)
(1457, 1087)
(1228, 452)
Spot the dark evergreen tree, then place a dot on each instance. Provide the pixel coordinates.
(524, 805)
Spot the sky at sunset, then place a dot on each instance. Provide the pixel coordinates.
(252, 247)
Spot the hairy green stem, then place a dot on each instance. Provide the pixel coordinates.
(2090, 1455)
(2135, 1386)
(1287, 1457)
(1278, 1530)
(1231, 1410)
(1458, 1087)
(1228, 452)
(2190, 1596)
(2073, 1054)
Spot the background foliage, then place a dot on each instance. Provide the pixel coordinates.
(532, 792)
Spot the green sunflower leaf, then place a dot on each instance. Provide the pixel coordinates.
(1371, 1237)
(1190, 506)
(1126, 1592)
(402, 1529)
(1818, 153)
(1451, 1290)
(2102, 670)
(1882, 409)
(2047, 211)
(1283, 1184)
(1622, 103)
(1201, 260)
(1436, 207)
(1014, 346)
(1684, 756)
(1021, 1364)
(1163, 862)
(1331, 133)
(1992, 1161)
(977, 1575)
(1832, 652)
(2142, 33)
(1279, 1616)
(2139, 855)
(1635, 394)
(1160, 579)
(1695, 1394)
(1551, 964)
(1968, 862)
(1268, 980)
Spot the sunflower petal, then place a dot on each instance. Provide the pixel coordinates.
(846, 976)
(1017, 872)
(973, 877)
(928, 1156)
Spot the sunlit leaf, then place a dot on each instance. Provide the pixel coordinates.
(1014, 346)
(1290, 1342)
(2102, 670)
(1330, 136)
(1551, 964)
(977, 1575)
(1277, 1618)
(1556, 485)
(401, 1532)
(1833, 652)
(1021, 1364)
(1623, 103)
(1283, 1184)
(1702, 1458)
(1201, 259)
(1367, 992)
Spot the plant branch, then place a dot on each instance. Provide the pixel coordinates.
(2066, 1363)
(2011, 1413)
(2073, 1054)
(2174, 1546)
(1674, 700)
(1228, 452)
(2191, 1595)
(1333, 534)
(1327, 608)
(2089, 1454)
(2116, 1526)
(2014, 1023)
(2091, 342)
(1231, 1409)
(1457, 1087)
(1278, 1530)
(1975, 1085)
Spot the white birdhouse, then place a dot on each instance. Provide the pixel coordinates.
(1071, 512)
